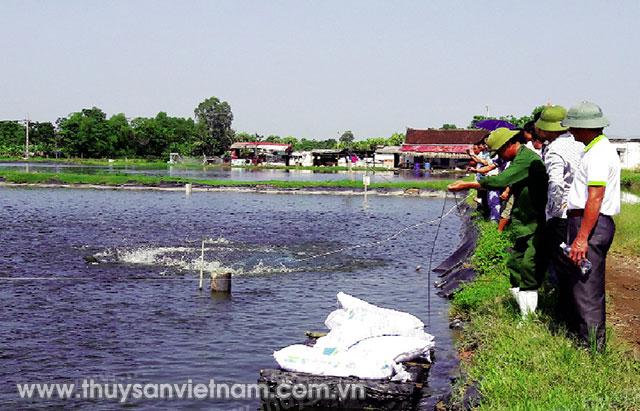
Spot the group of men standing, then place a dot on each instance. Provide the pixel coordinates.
(568, 194)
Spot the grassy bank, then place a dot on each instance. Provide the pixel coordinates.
(630, 179)
(120, 179)
(532, 365)
(327, 169)
(627, 238)
(133, 162)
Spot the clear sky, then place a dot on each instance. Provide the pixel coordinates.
(316, 68)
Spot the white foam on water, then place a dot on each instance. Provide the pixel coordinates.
(189, 259)
(262, 268)
(219, 240)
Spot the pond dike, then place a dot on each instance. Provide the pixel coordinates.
(254, 189)
(454, 271)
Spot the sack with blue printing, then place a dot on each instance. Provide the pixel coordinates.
(365, 341)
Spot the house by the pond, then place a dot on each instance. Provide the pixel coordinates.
(387, 157)
(258, 152)
(628, 149)
(438, 147)
(328, 157)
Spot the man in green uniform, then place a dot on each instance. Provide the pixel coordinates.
(528, 180)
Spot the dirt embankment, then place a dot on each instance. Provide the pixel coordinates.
(623, 287)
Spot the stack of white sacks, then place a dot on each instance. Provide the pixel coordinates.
(364, 341)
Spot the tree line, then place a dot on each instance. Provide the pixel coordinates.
(89, 133)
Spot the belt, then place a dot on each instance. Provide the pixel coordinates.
(575, 213)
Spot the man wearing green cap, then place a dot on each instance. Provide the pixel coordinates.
(528, 181)
(594, 198)
(561, 157)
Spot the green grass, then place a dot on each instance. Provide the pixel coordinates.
(630, 179)
(533, 365)
(133, 162)
(490, 259)
(627, 238)
(119, 179)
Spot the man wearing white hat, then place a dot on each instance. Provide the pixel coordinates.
(594, 198)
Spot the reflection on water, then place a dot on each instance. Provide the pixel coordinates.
(243, 174)
(138, 315)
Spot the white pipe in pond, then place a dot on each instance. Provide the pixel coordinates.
(202, 265)
(187, 188)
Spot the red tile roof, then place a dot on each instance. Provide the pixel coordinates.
(437, 136)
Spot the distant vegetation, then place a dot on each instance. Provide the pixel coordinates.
(516, 121)
(89, 133)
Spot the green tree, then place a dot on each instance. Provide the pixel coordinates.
(150, 140)
(516, 121)
(121, 135)
(346, 139)
(273, 139)
(448, 126)
(87, 134)
(396, 139)
(214, 118)
(12, 138)
(42, 133)
(243, 136)
(11, 133)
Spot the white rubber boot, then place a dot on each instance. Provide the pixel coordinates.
(528, 302)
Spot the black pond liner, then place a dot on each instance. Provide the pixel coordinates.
(453, 274)
(380, 394)
(454, 271)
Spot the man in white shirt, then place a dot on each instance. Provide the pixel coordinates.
(594, 198)
(561, 156)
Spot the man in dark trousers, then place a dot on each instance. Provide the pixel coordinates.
(594, 198)
(527, 177)
(561, 157)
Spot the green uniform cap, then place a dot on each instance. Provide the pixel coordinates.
(551, 118)
(499, 137)
(585, 115)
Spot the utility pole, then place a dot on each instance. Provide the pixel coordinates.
(26, 142)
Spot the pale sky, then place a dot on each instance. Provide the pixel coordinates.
(316, 68)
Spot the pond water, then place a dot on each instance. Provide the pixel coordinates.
(228, 173)
(138, 316)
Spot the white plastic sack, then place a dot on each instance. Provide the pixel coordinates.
(365, 341)
(354, 309)
(301, 358)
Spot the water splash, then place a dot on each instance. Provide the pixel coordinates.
(223, 256)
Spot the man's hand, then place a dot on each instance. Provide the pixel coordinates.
(505, 194)
(595, 196)
(578, 250)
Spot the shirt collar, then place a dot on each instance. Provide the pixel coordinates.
(594, 142)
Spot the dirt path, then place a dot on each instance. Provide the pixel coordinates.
(623, 287)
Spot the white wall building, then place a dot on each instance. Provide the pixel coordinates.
(629, 151)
